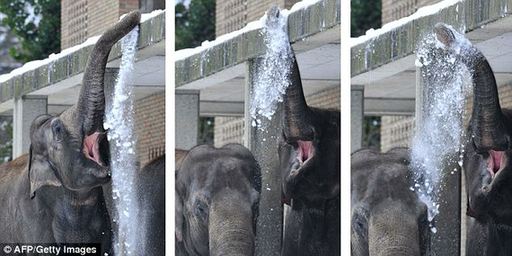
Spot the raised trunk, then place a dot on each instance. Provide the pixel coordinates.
(89, 111)
(230, 228)
(297, 115)
(487, 125)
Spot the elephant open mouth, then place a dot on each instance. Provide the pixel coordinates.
(495, 162)
(306, 151)
(95, 148)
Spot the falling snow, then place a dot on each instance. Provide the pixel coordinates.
(122, 140)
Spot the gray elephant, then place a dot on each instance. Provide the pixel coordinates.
(217, 196)
(309, 153)
(487, 166)
(53, 194)
(150, 185)
(387, 217)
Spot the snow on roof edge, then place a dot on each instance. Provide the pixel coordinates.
(254, 25)
(32, 65)
(420, 13)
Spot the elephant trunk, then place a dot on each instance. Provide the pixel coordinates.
(230, 228)
(393, 233)
(297, 114)
(91, 102)
(487, 126)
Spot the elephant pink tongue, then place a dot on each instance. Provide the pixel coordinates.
(91, 147)
(305, 150)
(494, 161)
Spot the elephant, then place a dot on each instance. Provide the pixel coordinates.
(54, 193)
(387, 217)
(217, 197)
(150, 184)
(486, 160)
(309, 160)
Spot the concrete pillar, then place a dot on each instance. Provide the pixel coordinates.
(108, 89)
(264, 144)
(109, 83)
(187, 118)
(357, 116)
(446, 241)
(26, 109)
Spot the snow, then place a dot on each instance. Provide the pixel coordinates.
(422, 12)
(439, 141)
(146, 16)
(185, 53)
(255, 25)
(119, 121)
(272, 75)
(32, 65)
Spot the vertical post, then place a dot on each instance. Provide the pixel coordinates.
(26, 109)
(446, 241)
(263, 143)
(108, 90)
(187, 118)
(357, 116)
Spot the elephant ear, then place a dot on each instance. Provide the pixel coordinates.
(40, 173)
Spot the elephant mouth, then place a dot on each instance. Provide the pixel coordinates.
(306, 151)
(94, 148)
(495, 162)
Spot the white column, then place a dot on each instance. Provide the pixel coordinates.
(26, 109)
(187, 118)
(357, 116)
(264, 144)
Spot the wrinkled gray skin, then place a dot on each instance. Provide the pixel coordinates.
(309, 153)
(388, 219)
(487, 157)
(54, 193)
(217, 195)
(150, 185)
(487, 165)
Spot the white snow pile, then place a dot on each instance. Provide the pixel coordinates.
(255, 25)
(32, 65)
(421, 12)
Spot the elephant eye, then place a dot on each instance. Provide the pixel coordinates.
(200, 209)
(57, 129)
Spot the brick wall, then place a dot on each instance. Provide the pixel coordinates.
(231, 129)
(81, 19)
(74, 21)
(396, 9)
(232, 15)
(126, 6)
(228, 130)
(150, 126)
(103, 14)
(397, 131)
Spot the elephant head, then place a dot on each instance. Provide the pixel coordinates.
(488, 153)
(217, 195)
(71, 150)
(309, 155)
(309, 148)
(387, 217)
